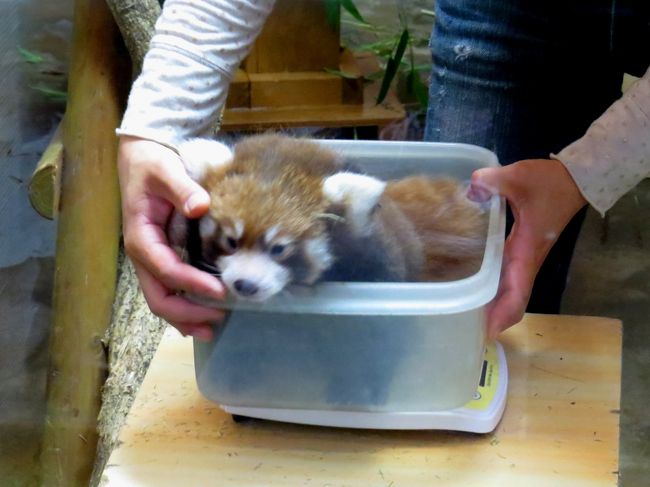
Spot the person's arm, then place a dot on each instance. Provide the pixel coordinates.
(614, 154)
(197, 46)
(609, 160)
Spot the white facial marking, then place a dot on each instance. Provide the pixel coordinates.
(317, 251)
(359, 193)
(284, 241)
(238, 228)
(232, 228)
(270, 233)
(258, 268)
(201, 155)
(207, 227)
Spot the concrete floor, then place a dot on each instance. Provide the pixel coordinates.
(610, 275)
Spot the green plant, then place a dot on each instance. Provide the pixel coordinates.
(394, 49)
(50, 92)
(30, 56)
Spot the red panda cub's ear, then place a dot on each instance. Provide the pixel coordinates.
(201, 156)
(358, 194)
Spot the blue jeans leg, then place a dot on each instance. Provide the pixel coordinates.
(523, 78)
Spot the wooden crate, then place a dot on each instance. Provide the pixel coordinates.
(284, 81)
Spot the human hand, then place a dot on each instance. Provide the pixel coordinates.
(543, 198)
(153, 182)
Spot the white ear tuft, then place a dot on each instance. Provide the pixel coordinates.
(358, 193)
(201, 155)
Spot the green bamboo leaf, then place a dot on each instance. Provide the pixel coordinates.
(422, 68)
(418, 88)
(342, 74)
(352, 9)
(375, 29)
(376, 76)
(401, 47)
(51, 93)
(333, 13)
(29, 56)
(381, 47)
(393, 65)
(389, 74)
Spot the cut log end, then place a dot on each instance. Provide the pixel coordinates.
(45, 184)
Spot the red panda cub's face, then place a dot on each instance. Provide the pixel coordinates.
(265, 227)
(261, 235)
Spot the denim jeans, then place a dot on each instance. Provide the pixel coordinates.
(525, 78)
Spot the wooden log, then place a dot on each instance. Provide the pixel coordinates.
(87, 248)
(136, 21)
(132, 339)
(45, 183)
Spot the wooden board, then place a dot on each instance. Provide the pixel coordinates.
(310, 116)
(239, 91)
(560, 427)
(354, 110)
(295, 89)
(296, 37)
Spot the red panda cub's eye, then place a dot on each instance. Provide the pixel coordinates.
(229, 244)
(280, 250)
(277, 244)
(232, 243)
(277, 250)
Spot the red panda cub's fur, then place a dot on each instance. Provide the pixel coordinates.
(286, 210)
(450, 228)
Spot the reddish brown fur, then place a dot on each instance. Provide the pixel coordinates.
(450, 228)
(430, 231)
(272, 180)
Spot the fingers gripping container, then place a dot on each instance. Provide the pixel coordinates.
(362, 347)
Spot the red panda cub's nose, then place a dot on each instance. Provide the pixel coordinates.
(246, 287)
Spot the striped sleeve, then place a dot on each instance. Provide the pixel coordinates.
(196, 48)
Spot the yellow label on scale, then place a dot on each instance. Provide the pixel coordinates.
(488, 381)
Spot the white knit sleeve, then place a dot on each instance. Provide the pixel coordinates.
(614, 155)
(197, 46)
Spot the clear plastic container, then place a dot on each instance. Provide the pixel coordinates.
(375, 347)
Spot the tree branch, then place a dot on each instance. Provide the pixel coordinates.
(136, 20)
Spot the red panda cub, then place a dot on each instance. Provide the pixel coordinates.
(286, 210)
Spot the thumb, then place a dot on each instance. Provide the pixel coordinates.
(197, 203)
(187, 196)
(484, 184)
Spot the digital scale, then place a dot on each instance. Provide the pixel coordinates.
(480, 415)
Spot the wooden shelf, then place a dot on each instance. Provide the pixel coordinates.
(366, 113)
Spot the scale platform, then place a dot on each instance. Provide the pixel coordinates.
(480, 415)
